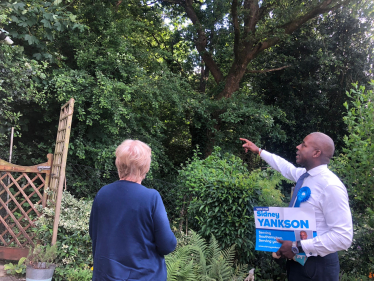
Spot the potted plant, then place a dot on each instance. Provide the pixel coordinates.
(40, 263)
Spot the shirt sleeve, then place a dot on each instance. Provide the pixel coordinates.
(335, 206)
(281, 165)
(164, 237)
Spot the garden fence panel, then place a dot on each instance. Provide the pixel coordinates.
(22, 188)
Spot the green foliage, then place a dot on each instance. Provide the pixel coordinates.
(18, 87)
(120, 81)
(18, 268)
(198, 260)
(322, 65)
(42, 256)
(76, 274)
(354, 277)
(108, 110)
(73, 240)
(37, 22)
(359, 259)
(355, 164)
(223, 194)
(241, 115)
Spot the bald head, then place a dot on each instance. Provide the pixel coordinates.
(324, 143)
(316, 149)
(303, 235)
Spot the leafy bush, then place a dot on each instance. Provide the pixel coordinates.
(355, 166)
(354, 277)
(359, 259)
(223, 194)
(73, 240)
(198, 260)
(76, 274)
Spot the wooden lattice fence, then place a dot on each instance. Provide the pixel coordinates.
(21, 189)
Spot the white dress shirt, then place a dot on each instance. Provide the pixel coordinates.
(329, 199)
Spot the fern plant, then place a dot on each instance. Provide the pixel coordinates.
(199, 261)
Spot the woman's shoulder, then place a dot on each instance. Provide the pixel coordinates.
(127, 187)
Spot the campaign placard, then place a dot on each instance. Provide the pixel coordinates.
(292, 224)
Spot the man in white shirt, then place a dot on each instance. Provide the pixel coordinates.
(329, 199)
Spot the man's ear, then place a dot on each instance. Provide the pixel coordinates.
(317, 153)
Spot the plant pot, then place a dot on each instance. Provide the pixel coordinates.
(40, 274)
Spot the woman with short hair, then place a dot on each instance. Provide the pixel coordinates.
(129, 226)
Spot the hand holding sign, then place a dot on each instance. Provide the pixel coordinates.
(285, 250)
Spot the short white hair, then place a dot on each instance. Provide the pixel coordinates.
(133, 160)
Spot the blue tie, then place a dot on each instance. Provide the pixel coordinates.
(299, 183)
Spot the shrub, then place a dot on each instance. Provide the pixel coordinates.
(358, 260)
(76, 274)
(73, 240)
(355, 164)
(355, 167)
(223, 194)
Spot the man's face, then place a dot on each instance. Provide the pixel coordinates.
(303, 235)
(305, 151)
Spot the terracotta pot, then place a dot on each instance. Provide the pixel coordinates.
(40, 274)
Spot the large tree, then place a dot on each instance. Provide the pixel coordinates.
(229, 36)
(256, 25)
(128, 70)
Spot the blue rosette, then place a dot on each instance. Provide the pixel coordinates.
(302, 196)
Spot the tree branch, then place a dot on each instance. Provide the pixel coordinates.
(251, 9)
(234, 13)
(174, 2)
(267, 70)
(295, 24)
(320, 9)
(201, 43)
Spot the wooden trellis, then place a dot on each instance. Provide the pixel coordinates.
(21, 189)
(59, 161)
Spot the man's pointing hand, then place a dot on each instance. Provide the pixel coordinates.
(248, 145)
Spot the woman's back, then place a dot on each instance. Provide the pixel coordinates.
(130, 233)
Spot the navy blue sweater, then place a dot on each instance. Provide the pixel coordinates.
(130, 233)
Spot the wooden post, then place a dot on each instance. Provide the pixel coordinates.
(10, 161)
(11, 146)
(47, 179)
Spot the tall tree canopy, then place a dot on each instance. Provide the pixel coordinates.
(181, 74)
(230, 35)
(250, 26)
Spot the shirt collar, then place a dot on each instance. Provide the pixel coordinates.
(317, 170)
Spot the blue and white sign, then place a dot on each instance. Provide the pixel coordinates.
(284, 223)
